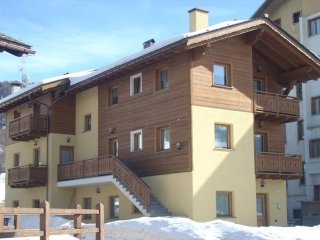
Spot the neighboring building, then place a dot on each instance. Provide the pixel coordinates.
(14, 46)
(176, 123)
(301, 19)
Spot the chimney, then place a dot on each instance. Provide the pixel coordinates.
(15, 86)
(148, 43)
(198, 19)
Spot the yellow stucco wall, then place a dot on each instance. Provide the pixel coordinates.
(86, 143)
(25, 149)
(174, 191)
(275, 191)
(229, 170)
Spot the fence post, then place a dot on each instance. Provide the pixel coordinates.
(77, 221)
(44, 220)
(100, 222)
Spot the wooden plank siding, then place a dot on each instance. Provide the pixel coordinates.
(147, 111)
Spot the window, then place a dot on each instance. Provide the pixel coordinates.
(36, 203)
(136, 84)
(114, 207)
(314, 26)
(136, 140)
(315, 148)
(113, 96)
(16, 159)
(66, 154)
(258, 85)
(15, 203)
(16, 114)
(163, 138)
(315, 105)
(303, 179)
(113, 146)
(222, 136)
(36, 156)
(296, 17)
(278, 22)
(224, 204)
(87, 123)
(260, 142)
(163, 79)
(299, 90)
(300, 130)
(221, 74)
(316, 192)
(36, 108)
(87, 204)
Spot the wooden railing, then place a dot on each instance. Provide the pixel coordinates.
(276, 103)
(278, 165)
(27, 124)
(44, 212)
(106, 165)
(27, 176)
(312, 207)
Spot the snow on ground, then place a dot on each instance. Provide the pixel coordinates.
(175, 228)
(2, 187)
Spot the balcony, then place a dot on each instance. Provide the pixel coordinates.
(28, 127)
(310, 208)
(278, 166)
(27, 176)
(275, 107)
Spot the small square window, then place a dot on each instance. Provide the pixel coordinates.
(136, 84)
(296, 17)
(136, 140)
(314, 148)
(163, 138)
(87, 123)
(221, 74)
(163, 79)
(114, 207)
(315, 105)
(36, 203)
(314, 26)
(15, 203)
(113, 96)
(87, 204)
(224, 204)
(258, 85)
(16, 159)
(222, 136)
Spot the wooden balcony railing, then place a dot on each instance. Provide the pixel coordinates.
(28, 127)
(106, 165)
(278, 166)
(27, 176)
(310, 208)
(276, 106)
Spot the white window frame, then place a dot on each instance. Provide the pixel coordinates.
(132, 133)
(132, 83)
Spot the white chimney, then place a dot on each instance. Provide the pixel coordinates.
(15, 86)
(198, 19)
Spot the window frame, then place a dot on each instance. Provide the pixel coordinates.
(16, 160)
(132, 84)
(87, 122)
(296, 17)
(111, 141)
(68, 148)
(263, 84)
(264, 143)
(112, 207)
(87, 204)
(159, 81)
(132, 140)
(316, 141)
(36, 157)
(300, 130)
(36, 109)
(159, 141)
(317, 21)
(230, 201)
(111, 98)
(227, 73)
(15, 203)
(36, 203)
(229, 135)
(314, 109)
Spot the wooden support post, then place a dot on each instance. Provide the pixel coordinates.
(17, 221)
(100, 222)
(77, 221)
(44, 220)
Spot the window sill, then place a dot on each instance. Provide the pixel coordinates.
(224, 149)
(163, 151)
(225, 216)
(161, 90)
(113, 105)
(133, 151)
(136, 94)
(222, 86)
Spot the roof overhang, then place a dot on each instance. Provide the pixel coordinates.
(17, 49)
(268, 6)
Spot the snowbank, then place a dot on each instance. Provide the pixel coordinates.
(2, 187)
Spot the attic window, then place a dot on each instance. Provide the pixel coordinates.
(136, 84)
(296, 17)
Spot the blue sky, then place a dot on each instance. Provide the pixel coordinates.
(75, 35)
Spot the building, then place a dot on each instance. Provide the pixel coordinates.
(169, 130)
(14, 46)
(302, 20)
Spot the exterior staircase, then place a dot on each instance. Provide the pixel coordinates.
(155, 209)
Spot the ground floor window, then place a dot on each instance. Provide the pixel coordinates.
(224, 204)
(114, 207)
(36, 203)
(87, 204)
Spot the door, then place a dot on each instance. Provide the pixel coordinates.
(113, 147)
(261, 210)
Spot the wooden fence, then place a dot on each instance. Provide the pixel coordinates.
(44, 212)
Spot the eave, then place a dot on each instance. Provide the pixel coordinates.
(15, 48)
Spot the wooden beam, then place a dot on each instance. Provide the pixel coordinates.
(299, 74)
(254, 36)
